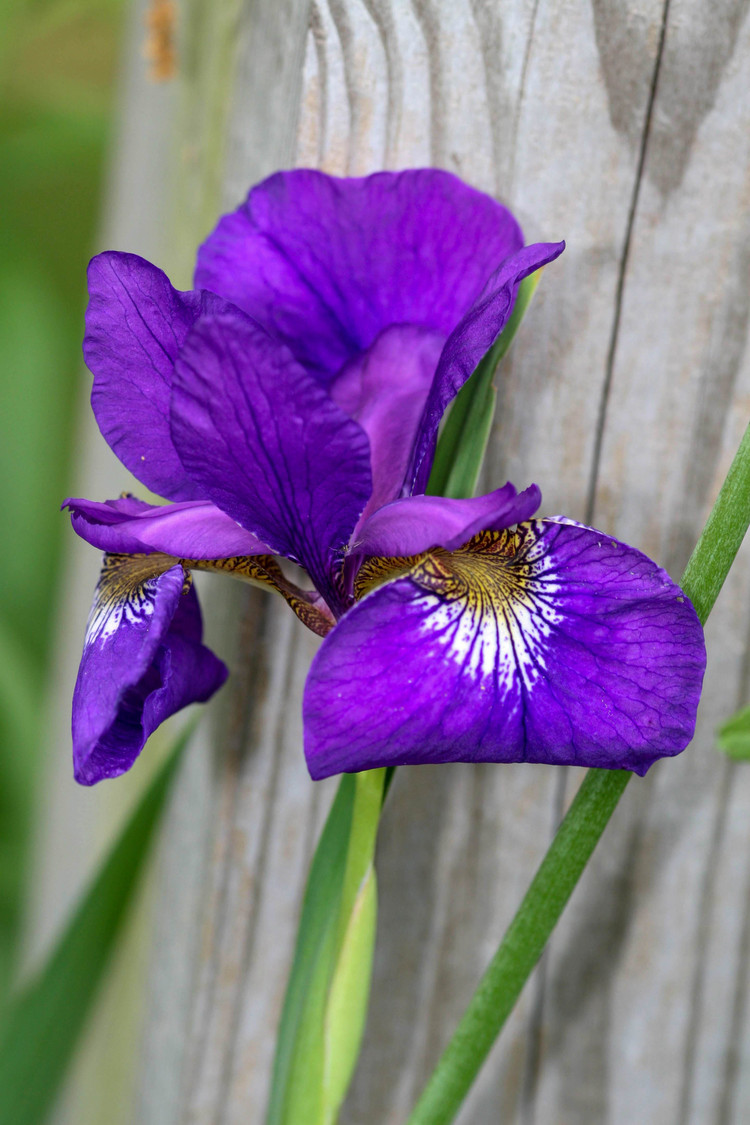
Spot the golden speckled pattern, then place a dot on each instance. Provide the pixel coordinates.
(455, 574)
(488, 604)
(263, 570)
(125, 587)
(492, 566)
(375, 571)
(491, 605)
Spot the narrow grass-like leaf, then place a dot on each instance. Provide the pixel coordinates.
(348, 997)
(55, 121)
(314, 937)
(43, 1024)
(733, 736)
(20, 709)
(575, 840)
(323, 1017)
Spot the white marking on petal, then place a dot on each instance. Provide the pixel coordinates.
(107, 614)
(125, 594)
(491, 606)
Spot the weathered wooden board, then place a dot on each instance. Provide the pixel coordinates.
(625, 128)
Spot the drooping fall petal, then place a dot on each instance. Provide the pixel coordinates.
(551, 644)
(142, 661)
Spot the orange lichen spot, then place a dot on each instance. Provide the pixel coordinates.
(160, 46)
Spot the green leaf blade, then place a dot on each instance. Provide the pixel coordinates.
(463, 441)
(43, 1024)
(309, 973)
(325, 1006)
(348, 997)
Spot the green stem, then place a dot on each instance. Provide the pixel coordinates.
(722, 535)
(521, 947)
(576, 838)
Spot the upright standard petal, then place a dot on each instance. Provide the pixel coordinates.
(327, 264)
(136, 323)
(385, 389)
(196, 529)
(142, 661)
(552, 644)
(472, 338)
(269, 446)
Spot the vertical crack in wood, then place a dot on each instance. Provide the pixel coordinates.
(520, 101)
(534, 1050)
(430, 29)
(704, 908)
(340, 19)
(382, 17)
(622, 272)
(717, 375)
(203, 994)
(317, 30)
(489, 30)
(726, 1114)
(417, 1063)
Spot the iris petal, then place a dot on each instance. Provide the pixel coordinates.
(268, 445)
(385, 390)
(142, 661)
(327, 264)
(136, 323)
(471, 339)
(551, 644)
(195, 529)
(417, 523)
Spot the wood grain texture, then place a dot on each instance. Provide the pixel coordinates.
(624, 127)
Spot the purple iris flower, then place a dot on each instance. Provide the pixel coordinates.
(288, 407)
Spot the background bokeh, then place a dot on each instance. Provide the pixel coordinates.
(58, 77)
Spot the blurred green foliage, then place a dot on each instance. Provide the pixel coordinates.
(57, 69)
(733, 736)
(44, 1021)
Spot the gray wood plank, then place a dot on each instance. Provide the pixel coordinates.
(664, 1006)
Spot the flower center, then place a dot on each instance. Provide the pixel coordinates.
(488, 570)
(489, 605)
